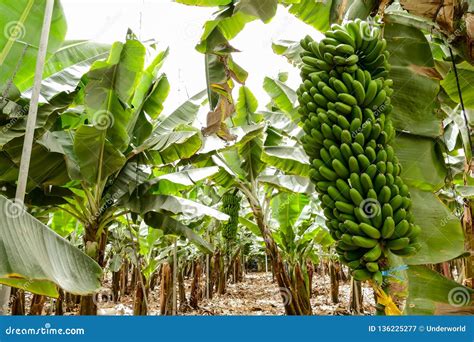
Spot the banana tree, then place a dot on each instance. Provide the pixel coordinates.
(92, 157)
(295, 231)
(264, 152)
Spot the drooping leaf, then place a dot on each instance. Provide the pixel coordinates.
(62, 142)
(65, 68)
(21, 23)
(252, 226)
(289, 49)
(415, 93)
(422, 165)
(263, 9)
(465, 79)
(174, 205)
(283, 96)
(250, 150)
(283, 123)
(187, 177)
(185, 114)
(169, 147)
(153, 105)
(171, 226)
(35, 258)
(290, 183)
(214, 143)
(442, 236)
(129, 178)
(429, 293)
(313, 12)
(47, 115)
(291, 160)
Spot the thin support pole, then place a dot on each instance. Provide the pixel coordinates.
(33, 109)
(30, 127)
(266, 262)
(208, 283)
(175, 276)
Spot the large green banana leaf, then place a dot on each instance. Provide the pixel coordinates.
(187, 177)
(432, 294)
(185, 114)
(250, 150)
(47, 115)
(64, 70)
(171, 226)
(283, 96)
(287, 208)
(36, 259)
(289, 159)
(245, 108)
(442, 236)
(174, 205)
(415, 87)
(297, 184)
(110, 84)
(465, 77)
(173, 183)
(422, 165)
(169, 147)
(21, 22)
(314, 13)
(97, 158)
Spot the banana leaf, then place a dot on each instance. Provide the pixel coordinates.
(36, 259)
(21, 22)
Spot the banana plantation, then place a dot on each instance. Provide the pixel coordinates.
(348, 194)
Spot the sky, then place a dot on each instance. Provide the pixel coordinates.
(179, 27)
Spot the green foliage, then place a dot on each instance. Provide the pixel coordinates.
(22, 22)
(36, 259)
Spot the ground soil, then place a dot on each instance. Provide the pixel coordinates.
(256, 295)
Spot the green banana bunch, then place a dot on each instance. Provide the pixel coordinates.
(344, 103)
(231, 207)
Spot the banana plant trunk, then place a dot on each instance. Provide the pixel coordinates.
(37, 304)
(95, 248)
(58, 309)
(116, 286)
(18, 302)
(292, 296)
(334, 277)
(356, 298)
(140, 302)
(166, 284)
(183, 302)
(195, 289)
